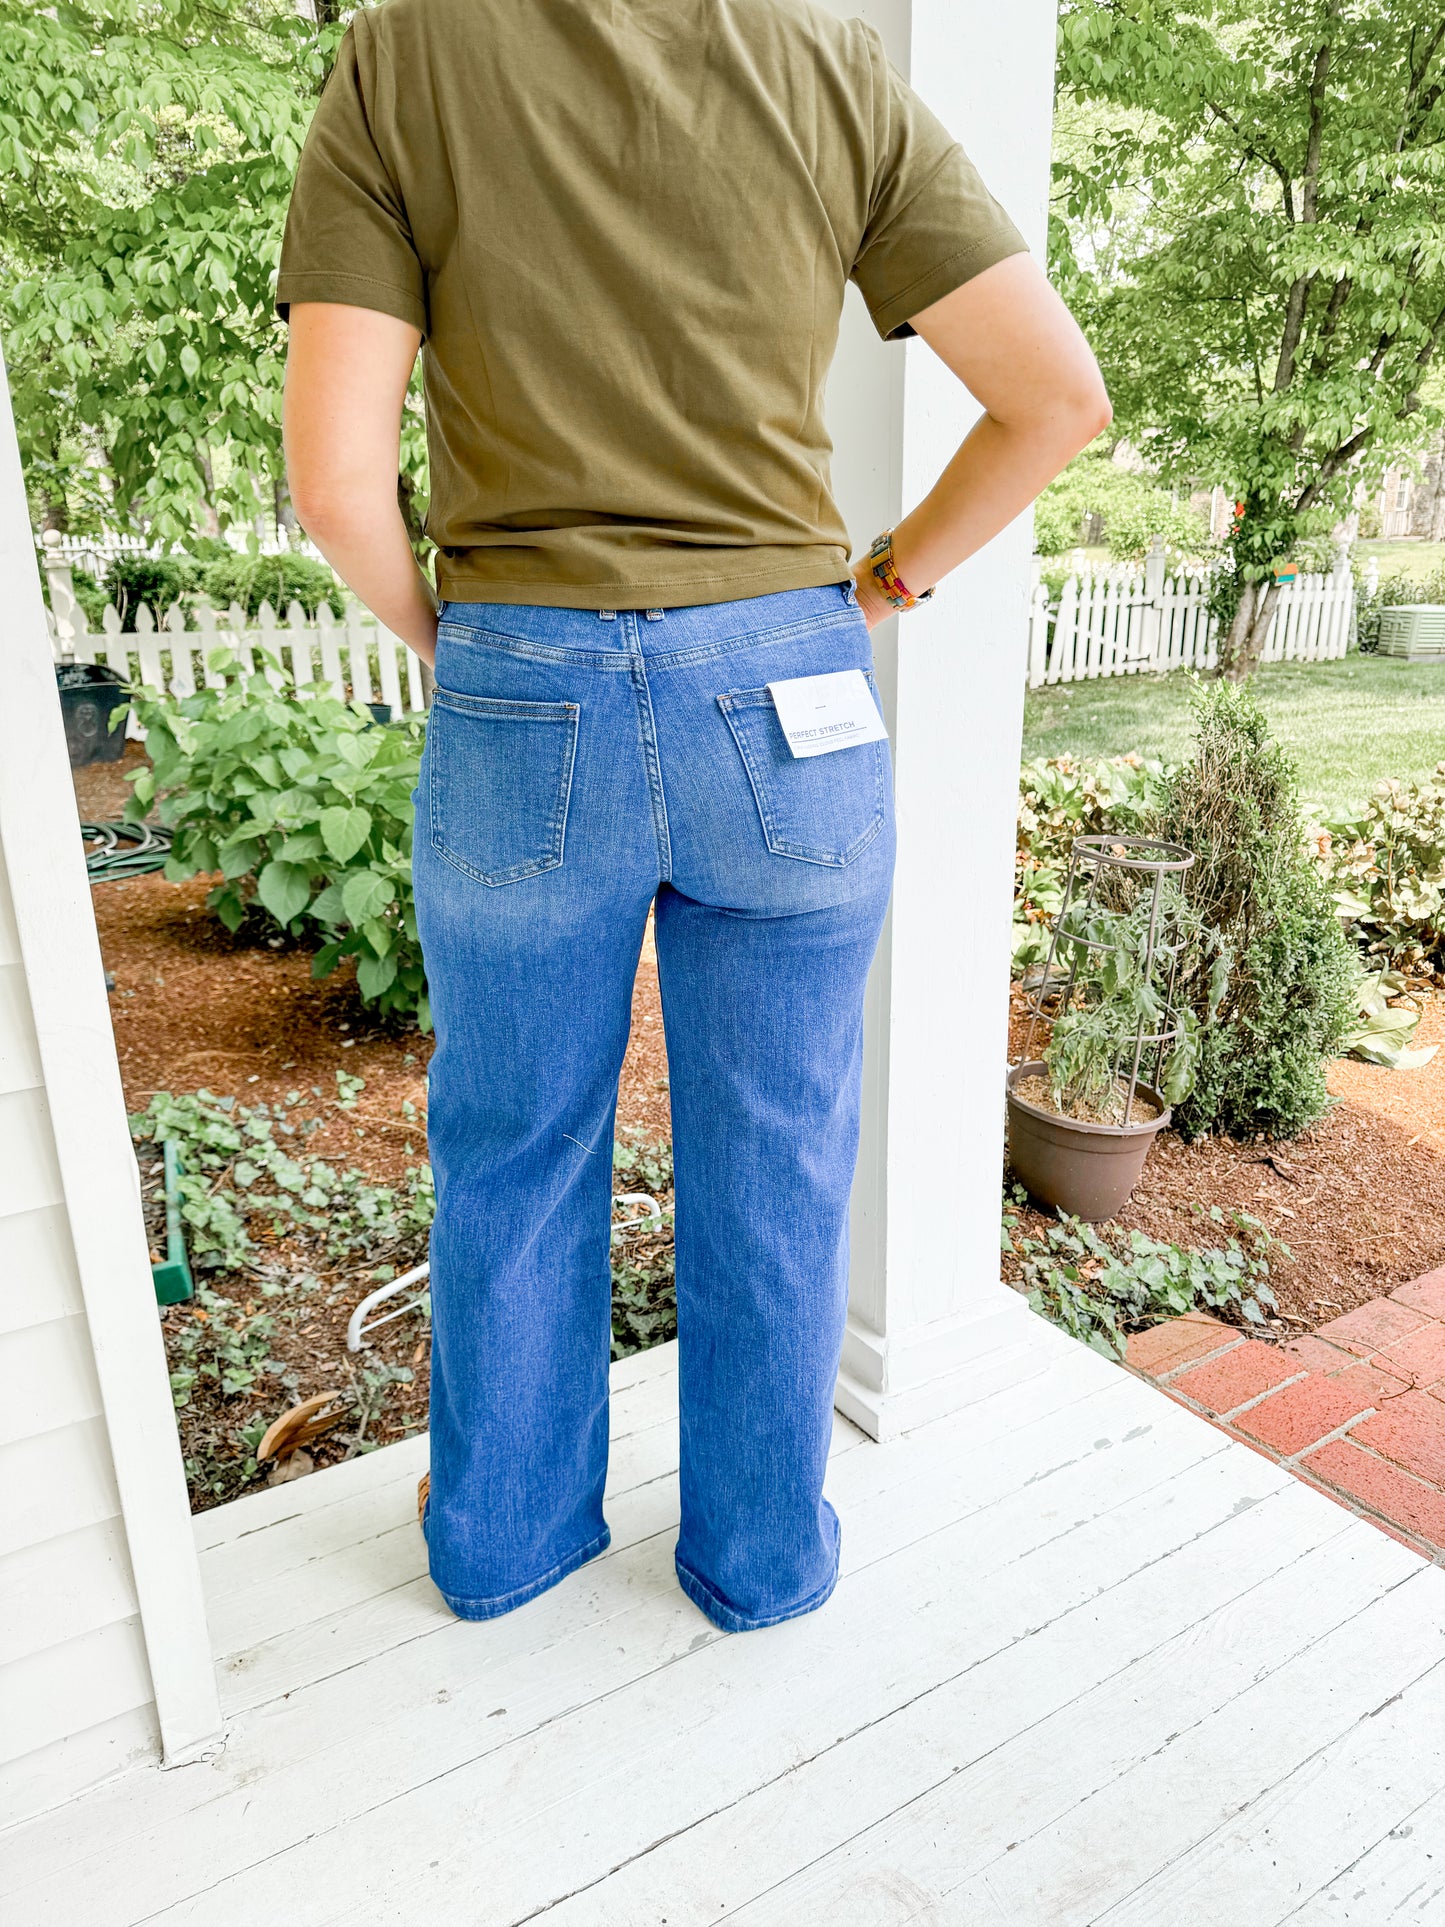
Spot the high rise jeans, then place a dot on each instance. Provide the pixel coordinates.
(580, 766)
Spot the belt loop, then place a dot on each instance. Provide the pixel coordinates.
(607, 615)
(655, 615)
(850, 593)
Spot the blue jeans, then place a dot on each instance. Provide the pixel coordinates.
(580, 766)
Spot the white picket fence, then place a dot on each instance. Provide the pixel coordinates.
(1122, 622)
(355, 657)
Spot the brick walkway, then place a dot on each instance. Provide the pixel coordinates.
(1357, 1409)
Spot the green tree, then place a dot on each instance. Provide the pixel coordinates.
(1251, 231)
(147, 149)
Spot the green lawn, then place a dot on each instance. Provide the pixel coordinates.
(1403, 558)
(1348, 723)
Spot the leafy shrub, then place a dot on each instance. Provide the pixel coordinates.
(1387, 869)
(1289, 1000)
(1133, 508)
(1099, 1284)
(1391, 592)
(155, 580)
(1132, 526)
(277, 579)
(304, 806)
(1061, 798)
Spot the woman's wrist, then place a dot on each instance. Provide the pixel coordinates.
(886, 585)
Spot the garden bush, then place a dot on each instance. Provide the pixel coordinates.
(1061, 798)
(1386, 867)
(1289, 1000)
(280, 580)
(155, 580)
(304, 806)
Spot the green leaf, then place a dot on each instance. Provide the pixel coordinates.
(239, 858)
(366, 895)
(284, 888)
(345, 830)
(303, 847)
(375, 974)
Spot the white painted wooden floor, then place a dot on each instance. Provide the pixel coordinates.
(1087, 1662)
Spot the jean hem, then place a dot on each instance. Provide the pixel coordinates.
(729, 1619)
(506, 1602)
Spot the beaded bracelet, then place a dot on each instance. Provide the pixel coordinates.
(890, 583)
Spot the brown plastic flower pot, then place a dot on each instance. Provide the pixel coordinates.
(1087, 1170)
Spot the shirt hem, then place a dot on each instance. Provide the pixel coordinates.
(644, 592)
(893, 317)
(348, 291)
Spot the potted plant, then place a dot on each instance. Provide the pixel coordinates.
(1084, 1111)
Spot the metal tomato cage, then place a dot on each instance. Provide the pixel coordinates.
(1121, 873)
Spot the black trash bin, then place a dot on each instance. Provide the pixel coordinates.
(89, 692)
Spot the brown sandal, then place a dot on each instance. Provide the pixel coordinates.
(423, 1487)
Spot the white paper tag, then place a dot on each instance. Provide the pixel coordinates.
(819, 713)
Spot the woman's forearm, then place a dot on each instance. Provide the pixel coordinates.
(347, 371)
(1014, 345)
(367, 546)
(996, 473)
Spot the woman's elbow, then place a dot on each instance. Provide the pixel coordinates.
(1089, 411)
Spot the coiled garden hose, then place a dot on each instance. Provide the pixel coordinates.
(124, 849)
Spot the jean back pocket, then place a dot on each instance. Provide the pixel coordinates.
(820, 809)
(500, 777)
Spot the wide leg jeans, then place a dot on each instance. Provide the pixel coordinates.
(581, 766)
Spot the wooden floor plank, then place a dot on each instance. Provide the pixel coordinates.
(528, 1821)
(1097, 1855)
(740, 1853)
(387, 1599)
(1400, 1878)
(1288, 1842)
(1087, 1661)
(351, 1708)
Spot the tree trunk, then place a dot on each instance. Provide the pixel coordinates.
(1249, 631)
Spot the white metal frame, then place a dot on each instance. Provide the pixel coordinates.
(61, 954)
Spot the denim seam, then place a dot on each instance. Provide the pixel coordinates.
(557, 823)
(755, 638)
(730, 1619)
(509, 645)
(781, 845)
(494, 1607)
(512, 645)
(647, 731)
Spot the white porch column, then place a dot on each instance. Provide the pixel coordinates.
(930, 1325)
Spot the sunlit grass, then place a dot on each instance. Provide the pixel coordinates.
(1348, 724)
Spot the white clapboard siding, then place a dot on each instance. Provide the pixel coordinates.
(104, 1653)
(68, 1603)
(71, 1656)
(355, 658)
(1116, 622)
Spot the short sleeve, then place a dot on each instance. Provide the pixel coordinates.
(932, 224)
(347, 236)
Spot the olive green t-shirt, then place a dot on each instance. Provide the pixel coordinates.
(624, 229)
